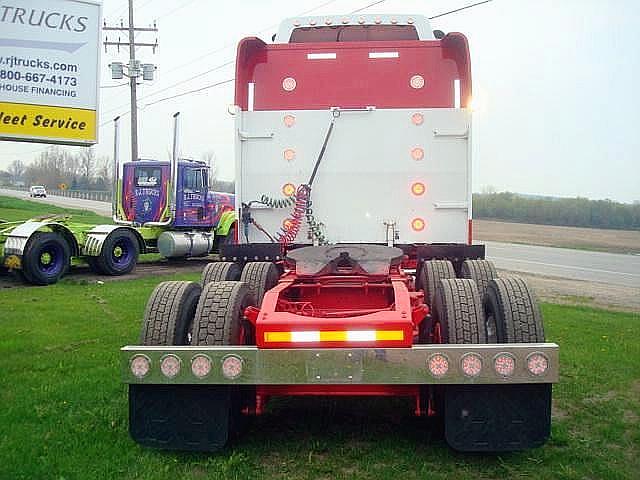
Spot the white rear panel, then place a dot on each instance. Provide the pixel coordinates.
(365, 178)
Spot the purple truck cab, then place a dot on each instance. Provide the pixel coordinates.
(146, 190)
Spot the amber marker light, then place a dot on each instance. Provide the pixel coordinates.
(417, 119)
(288, 189)
(289, 154)
(418, 189)
(287, 223)
(417, 224)
(417, 153)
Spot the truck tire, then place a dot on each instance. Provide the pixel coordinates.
(119, 253)
(511, 304)
(218, 317)
(458, 312)
(220, 271)
(260, 277)
(168, 317)
(46, 258)
(482, 272)
(431, 273)
(513, 417)
(219, 320)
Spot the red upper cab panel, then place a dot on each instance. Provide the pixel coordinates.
(353, 66)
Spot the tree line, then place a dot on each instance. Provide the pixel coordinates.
(573, 212)
(55, 166)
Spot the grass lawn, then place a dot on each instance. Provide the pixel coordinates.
(63, 409)
(15, 209)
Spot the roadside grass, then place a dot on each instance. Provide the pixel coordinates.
(15, 209)
(63, 409)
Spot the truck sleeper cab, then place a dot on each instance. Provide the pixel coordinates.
(354, 271)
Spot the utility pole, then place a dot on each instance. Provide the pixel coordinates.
(133, 87)
(134, 68)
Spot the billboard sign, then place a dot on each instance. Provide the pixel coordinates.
(49, 66)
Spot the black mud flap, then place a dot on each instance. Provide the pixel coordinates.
(180, 417)
(497, 418)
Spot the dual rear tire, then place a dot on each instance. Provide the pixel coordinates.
(479, 307)
(184, 313)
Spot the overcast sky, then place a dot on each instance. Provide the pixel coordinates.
(554, 85)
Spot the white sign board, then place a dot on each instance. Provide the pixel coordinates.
(49, 64)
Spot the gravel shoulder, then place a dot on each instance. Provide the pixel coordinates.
(614, 241)
(578, 292)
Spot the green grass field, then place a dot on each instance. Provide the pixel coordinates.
(63, 409)
(15, 209)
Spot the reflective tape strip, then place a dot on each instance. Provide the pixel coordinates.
(277, 336)
(321, 56)
(384, 54)
(334, 336)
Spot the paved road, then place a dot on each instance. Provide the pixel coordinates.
(611, 268)
(101, 208)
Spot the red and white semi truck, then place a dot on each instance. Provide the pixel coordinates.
(353, 272)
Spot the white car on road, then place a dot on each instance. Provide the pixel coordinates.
(37, 191)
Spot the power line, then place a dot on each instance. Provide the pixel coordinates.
(459, 9)
(179, 7)
(191, 91)
(365, 7)
(114, 86)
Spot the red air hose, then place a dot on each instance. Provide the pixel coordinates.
(289, 232)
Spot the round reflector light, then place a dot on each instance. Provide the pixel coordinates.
(471, 365)
(289, 120)
(417, 119)
(438, 365)
(328, 21)
(360, 20)
(537, 364)
(231, 367)
(296, 23)
(417, 224)
(289, 84)
(418, 189)
(345, 21)
(378, 21)
(312, 22)
(394, 21)
(417, 81)
(201, 366)
(289, 154)
(417, 153)
(140, 366)
(288, 189)
(504, 364)
(170, 366)
(409, 21)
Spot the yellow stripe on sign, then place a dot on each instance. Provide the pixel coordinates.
(39, 121)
